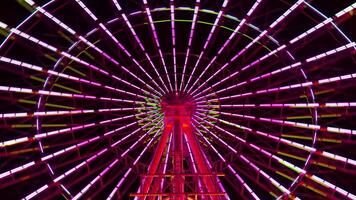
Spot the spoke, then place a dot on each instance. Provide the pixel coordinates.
(97, 178)
(285, 105)
(112, 37)
(268, 177)
(212, 31)
(261, 35)
(77, 146)
(65, 112)
(79, 166)
(153, 28)
(117, 5)
(259, 171)
(174, 45)
(291, 166)
(66, 95)
(166, 159)
(40, 136)
(71, 57)
(314, 29)
(238, 177)
(277, 139)
(284, 88)
(227, 42)
(191, 35)
(66, 76)
(128, 172)
(329, 53)
(194, 164)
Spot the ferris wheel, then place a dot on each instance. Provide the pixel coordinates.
(121, 99)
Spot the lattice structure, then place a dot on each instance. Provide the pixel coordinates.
(120, 99)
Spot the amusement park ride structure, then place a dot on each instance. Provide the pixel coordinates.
(177, 99)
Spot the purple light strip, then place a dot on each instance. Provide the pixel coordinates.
(87, 187)
(153, 28)
(298, 38)
(278, 139)
(72, 32)
(123, 15)
(280, 160)
(66, 76)
(65, 112)
(40, 136)
(174, 45)
(166, 160)
(164, 166)
(192, 29)
(106, 30)
(268, 177)
(261, 35)
(285, 105)
(283, 88)
(291, 123)
(71, 57)
(212, 31)
(66, 95)
(79, 166)
(217, 178)
(134, 163)
(270, 74)
(227, 42)
(194, 164)
(239, 178)
(77, 146)
(278, 185)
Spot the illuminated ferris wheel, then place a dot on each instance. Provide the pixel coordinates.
(122, 99)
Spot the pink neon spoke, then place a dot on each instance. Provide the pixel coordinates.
(153, 28)
(283, 69)
(291, 123)
(278, 139)
(134, 163)
(233, 34)
(97, 178)
(66, 76)
(261, 35)
(106, 30)
(140, 43)
(79, 166)
(192, 29)
(268, 177)
(298, 38)
(315, 178)
(166, 160)
(278, 185)
(287, 164)
(217, 178)
(287, 87)
(72, 32)
(65, 112)
(71, 57)
(77, 146)
(212, 31)
(285, 105)
(238, 177)
(65, 95)
(65, 130)
(174, 44)
(194, 164)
